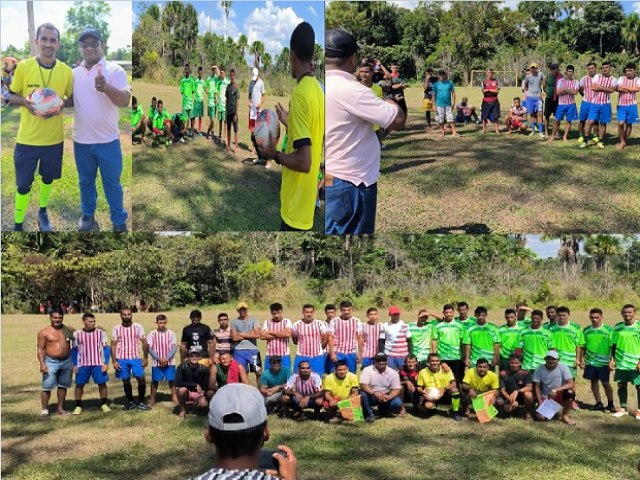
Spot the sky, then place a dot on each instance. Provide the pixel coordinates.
(270, 22)
(13, 21)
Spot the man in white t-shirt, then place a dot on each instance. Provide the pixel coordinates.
(256, 98)
(352, 158)
(100, 89)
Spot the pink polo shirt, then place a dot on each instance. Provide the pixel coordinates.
(352, 148)
(96, 117)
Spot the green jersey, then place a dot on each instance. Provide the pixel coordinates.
(449, 337)
(160, 118)
(212, 86)
(222, 90)
(598, 345)
(534, 344)
(509, 339)
(187, 86)
(469, 322)
(136, 115)
(566, 341)
(482, 339)
(525, 322)
(421, 340)
(198, 89)
(151, 113)
(626, 338)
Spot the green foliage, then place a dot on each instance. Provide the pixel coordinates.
(78, 17)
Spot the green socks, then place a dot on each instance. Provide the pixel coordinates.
(22, 203)
(45, 191)
(455, 402)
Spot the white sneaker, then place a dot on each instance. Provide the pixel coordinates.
(533, 132)
(542, 135)
(182, 140)
(620, 413)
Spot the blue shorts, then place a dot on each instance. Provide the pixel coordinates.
(600, 112)
(349, 208)
(127, 367)
(167, 373)
(627, 114)
(249, 359)
(59, 374)
(584, 110)
(47, 160)
(95, 372)
(366, 362)
(286, 363)
(317, 363)
(597, 373)
(568, 111)
(533, 105)
(350, 358)
(395, 362)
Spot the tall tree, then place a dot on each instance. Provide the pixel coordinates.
(630, 33)
(604, 21)
(257, 50)
(602, 248)
(226, 6)
(80, 16)
(543, 13)
(243, 43)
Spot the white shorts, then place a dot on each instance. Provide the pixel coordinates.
(443, 113)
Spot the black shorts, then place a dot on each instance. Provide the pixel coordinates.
(519, 399)
(26, 159)
(231, 121)
(490, 111)
(550, 106)
(457, 368)
(139, 129)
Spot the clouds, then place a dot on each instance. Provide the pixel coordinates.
(636, 7)
(312, 11)
(213, 21)
(272, 25)
(13, 26)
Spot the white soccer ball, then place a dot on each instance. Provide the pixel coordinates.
(46, 102)
(432, 394)
(267, 123)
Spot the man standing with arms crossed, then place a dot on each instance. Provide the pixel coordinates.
(490, 108)
(627, 113)
(345, 338)
(602, 86)
(310, 335)
(187, 87)
(305, 133)
(126, 357)
(100, 89)
(40, 140)
(533, 88)
(54, 356)
(587, 99)
(352, 147)
(566, 90)
(245, 332)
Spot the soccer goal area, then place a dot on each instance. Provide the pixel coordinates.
(507, 78)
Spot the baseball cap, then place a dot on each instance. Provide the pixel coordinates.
(533, 65)
(380, 356)
(255, 74)
(553, 66)
(242, 305)
(195, 350)
(90, 31)
(393, 310)
(340, 43)
(552, 354)
(244, 402)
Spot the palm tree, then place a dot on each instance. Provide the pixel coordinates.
(266, 62)
(243, 43)
(630, 32)
(602, 248)
(257, 50)
(226, 6)
(568, 250)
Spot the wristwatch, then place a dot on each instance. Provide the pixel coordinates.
(275, 157)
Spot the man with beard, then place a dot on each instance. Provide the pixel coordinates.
(193, 383)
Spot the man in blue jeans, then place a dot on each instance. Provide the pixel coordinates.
(352, 159)
(380, 385)
(101, 88)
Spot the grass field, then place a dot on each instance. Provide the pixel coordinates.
(198, 186)
(505, 183)
(152, 445)
(64, 203)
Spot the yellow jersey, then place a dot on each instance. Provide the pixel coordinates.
(30, 76)
(340, 388)
(481, 384)
(439, 379)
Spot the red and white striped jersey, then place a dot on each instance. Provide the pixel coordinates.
(371, 333)
(395, 341)
(602, 98)
(309, 337)
(585, 83)
(162, 343)
(567, 98)
(127, 341)
(307, 387)
(345, 334)
(223, 339)
(627, 98)
(279, 346)
(90, 347)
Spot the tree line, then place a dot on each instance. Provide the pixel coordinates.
(476, 35)
(169, 271)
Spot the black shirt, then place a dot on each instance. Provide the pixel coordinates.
(189, 377)
(232, 94)
(197, 336)
(515, 381)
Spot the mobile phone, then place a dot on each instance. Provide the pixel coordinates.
(267, 460)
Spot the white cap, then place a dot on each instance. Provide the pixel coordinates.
(237, 398)
(255, 74)
(552, 354)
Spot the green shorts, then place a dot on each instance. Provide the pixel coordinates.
(222, 114)
(211, 111)
(198, 109)
(627, 376)
(187, 112)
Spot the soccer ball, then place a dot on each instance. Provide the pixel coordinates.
(432, 394)
(266, 123)
(46, 102)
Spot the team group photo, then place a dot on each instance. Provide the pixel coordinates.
(497, 118)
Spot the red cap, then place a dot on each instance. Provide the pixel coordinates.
(393, 310)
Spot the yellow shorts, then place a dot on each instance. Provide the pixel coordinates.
(427, 104)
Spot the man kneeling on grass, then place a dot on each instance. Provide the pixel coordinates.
(304, 390)
(478, 381)
(193, 383)
(339, 385)
(554, 380)
(273, 382)
(516, 389)
(436, 386)
(380, 385)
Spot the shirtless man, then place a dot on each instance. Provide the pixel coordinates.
(54, 356)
